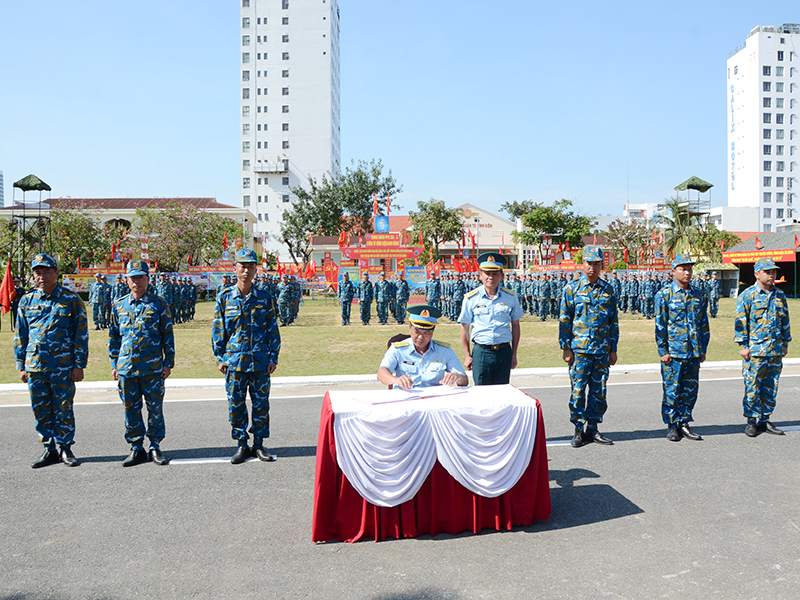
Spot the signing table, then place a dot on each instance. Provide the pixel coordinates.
(449, 463)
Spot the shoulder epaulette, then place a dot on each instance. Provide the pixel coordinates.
(472, 293)
(400, 344)
(443, 344)
(508, 290)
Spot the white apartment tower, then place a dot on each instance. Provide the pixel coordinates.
(763, 124)
(290, 103)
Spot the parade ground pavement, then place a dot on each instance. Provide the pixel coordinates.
(644, 518)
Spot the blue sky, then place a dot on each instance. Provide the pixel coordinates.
(481, 102)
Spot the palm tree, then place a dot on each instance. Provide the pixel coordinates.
(682, 225)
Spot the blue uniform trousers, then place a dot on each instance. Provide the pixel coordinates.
(680, 384)
(591, 370)
(383, 311)
(366, 309)
(237, 383)
(713, 307)
(346, 305)
(132, 390)
(401, 311)
(284, 312)
(761, 375)
(491, 367)
(52, 393)
(97, 314)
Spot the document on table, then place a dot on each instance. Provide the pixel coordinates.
(399, 394)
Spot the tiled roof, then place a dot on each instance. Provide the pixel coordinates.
(126, 203)
(783, 240)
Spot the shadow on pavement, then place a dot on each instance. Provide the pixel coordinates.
(424, 594)
(227, 451)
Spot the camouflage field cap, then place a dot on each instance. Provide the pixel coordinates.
(765, 264)
(44, 260)
(593, 254)
(137, 267)
(245, 255)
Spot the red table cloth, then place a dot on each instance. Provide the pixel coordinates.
(442, 505)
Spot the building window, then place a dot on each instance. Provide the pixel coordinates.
(245, 40)
(285, 180)
(285, 108)
(285, 127)
(778, 71)
(245, 75)
(245, 57)
(266, 217)
(780, 54)
(245, 146)
(779, 150)
(245, 93)
(285, 144)
(259, 91)
(779, 134)
(245, 200)
(767, 71)
(767, 213)
(285, 20)
(259, 216)
(768, 165)
(285, 56)
(767, 196)
(246, 111)
(779, 87)
(778, 102)
(285, 38)
(246, 129)
(246, 182)
(767, 134)
(788, 213)
(767, 86)
(767, 181)
(767, 149)
(285, 91)
(767, 228)
(285, 4)
(285, 73)
(767, 102)
(779, 165)
(778, 213)
(266, 182)
(285, 197)
(779, 182)
(245, 165)
(245, 22)
(779, 118)
(779, 197)
(767, 117)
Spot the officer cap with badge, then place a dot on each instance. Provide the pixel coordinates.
(491, 261)
(137, 267)
(44, 260)
(423, 316)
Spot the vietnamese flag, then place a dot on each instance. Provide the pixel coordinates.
(421, 243)
(796, 242)
(225, 241)
(375, 205)
(7, 291)
(388, 205)
(594, 242)
(79, 263)
(758, 243)
(475, 266)
(625, 253)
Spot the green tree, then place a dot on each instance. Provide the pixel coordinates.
(557, 220)
(633, 236)
(516, 209)
(23, 243)
(437, 223)
(681, 226)
(337, 203)
(76, 233)
(708, 241)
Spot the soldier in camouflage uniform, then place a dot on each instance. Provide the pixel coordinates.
(96, 300)
(713, 295)
(246, 343)
(119, 289)
(459, 291)
(365, 295)
(588, 332)
(763, 334)
(544, 297)
(403, 293)
(141, 348)
(51, 347)
(106, 296)
(346, 293)
(433, 292)
(284, 299)
(381, 289)
(682, 336)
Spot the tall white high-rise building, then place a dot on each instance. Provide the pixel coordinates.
(763, 105)
(289, 103)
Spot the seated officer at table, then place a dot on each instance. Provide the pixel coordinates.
(421, 361)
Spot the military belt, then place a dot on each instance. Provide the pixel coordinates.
(493, 346)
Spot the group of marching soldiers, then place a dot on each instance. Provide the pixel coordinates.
(540, 294)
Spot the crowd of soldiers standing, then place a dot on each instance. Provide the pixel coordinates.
(540, 294)
(286, 293)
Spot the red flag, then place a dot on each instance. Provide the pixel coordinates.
(310, 239)
(7, 291)
(416, 261)
(625, 253)
(189, 259)
(594, 241)
(568, 246)
(475, 266)
(796, 242)
(421, 243)
(375, 205)
(758, 243)
(225, 241)
(113, 250)
(79, 263)
(342, 240)
(359, 239)
(560, 249)
(388, 205)
(155, 268)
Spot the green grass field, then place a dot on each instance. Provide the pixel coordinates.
(318, 345)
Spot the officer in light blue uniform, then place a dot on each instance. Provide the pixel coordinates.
(763, 334)
(588, 334)
(346, 293)
(246, 343)
(141, 348)
(489, 319)
(682, 336)
(51, 348)
(420, 361)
